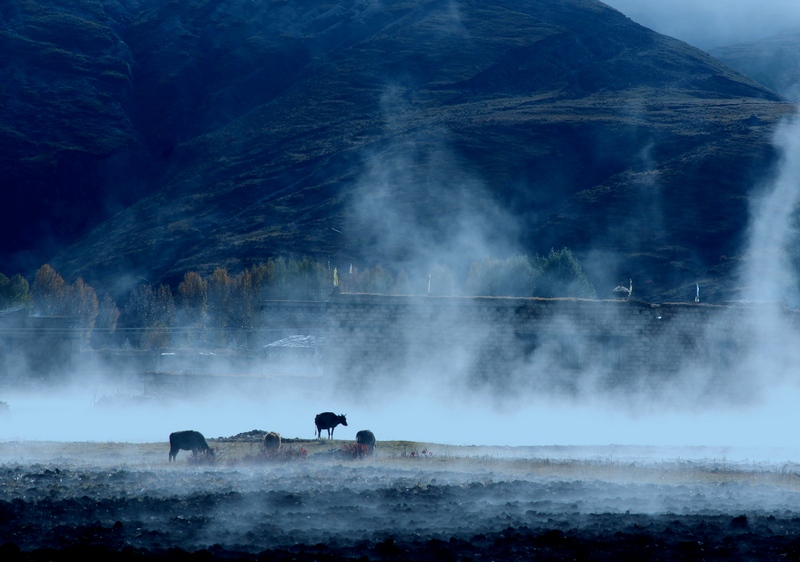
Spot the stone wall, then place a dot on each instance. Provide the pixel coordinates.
(38, 347)
(281, 319)
(539, 342)
(503, 342)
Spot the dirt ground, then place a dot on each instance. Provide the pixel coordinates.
(328, 500)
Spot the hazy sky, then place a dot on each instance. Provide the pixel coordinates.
(713, 23)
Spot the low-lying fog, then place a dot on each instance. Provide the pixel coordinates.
(759, 420)
(765, 428)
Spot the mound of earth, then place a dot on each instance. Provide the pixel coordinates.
(245, 436)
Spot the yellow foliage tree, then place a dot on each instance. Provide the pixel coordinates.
(48, 292)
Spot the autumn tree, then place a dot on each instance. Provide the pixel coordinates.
(302, 279)
(48, 292)
(107, 317)
(220, 286)
(376, 280)
(150, 314)
(294, 279)
(259, 275)
(274, 275)
(243, 304)
(193, 299)
(80, 301)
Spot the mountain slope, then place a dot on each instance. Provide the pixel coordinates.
(66, 79)
(410, 132)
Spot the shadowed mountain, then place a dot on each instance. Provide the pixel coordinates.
(401, 132)
(65, 86)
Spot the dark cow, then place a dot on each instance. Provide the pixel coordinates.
(272, 441)
(366, 438)
(329, 421)
(188, 441)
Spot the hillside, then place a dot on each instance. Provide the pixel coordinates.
(145, 138)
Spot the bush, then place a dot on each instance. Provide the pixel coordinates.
(425, 454)
(562, 276)
(13, 292)
(356, 450)
(512, 277)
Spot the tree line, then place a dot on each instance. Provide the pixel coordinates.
(219, 309)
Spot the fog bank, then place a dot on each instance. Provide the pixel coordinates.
(413, 415)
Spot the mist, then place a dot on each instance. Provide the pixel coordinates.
(430, 399)
(712, 23)
(454, 418)
(416, 187)
(537, 413)
(768, 274)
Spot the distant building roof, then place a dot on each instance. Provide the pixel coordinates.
(298, 341)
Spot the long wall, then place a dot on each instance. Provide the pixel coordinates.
(502, 342)
(38, 347)
(541, 342)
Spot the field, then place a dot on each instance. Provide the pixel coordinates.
(321, 500)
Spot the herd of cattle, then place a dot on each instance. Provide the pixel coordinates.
(194, 441)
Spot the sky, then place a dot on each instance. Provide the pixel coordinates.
(713, 23)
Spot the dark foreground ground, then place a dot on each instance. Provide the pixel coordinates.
(117, 501)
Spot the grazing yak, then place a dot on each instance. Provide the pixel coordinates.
(272, 441)
(329, 421)
(188, 441)
(366, 438)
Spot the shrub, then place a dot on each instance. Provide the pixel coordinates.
(562, 276)
(13, 292)
(355, 450)
(512, 277)
(425, 454)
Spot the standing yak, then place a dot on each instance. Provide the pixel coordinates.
(188, 441)
(329, 421)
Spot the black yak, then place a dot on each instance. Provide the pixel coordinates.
(188, 441)
(329, 421)
(367, 439)
(272, 441)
